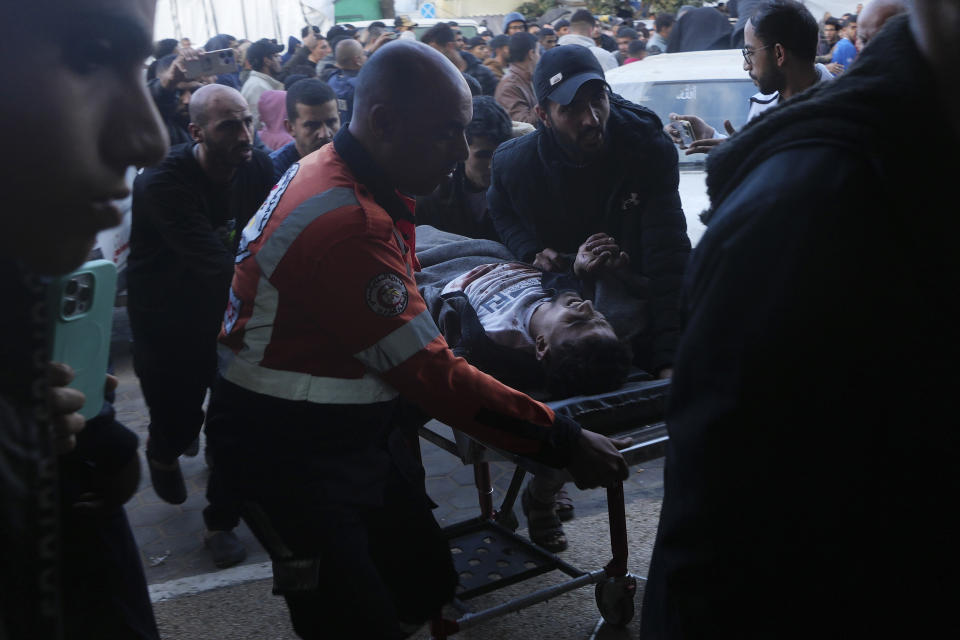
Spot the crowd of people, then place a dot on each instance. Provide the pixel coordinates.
(274, 269)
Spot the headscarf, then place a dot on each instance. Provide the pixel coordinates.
(273, 111)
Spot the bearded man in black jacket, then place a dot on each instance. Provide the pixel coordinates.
(600, 164)
(821, 310)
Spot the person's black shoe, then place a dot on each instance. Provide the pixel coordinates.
(167, 481)
(225, 548)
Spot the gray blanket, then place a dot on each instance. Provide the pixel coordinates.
(444, 256)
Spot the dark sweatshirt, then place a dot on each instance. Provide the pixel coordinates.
(183, 237)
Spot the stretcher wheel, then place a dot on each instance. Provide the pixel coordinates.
(615, 599)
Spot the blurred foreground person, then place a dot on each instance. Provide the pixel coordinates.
(79, 115)
(813, 440)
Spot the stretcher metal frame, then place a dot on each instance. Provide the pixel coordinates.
(493, 529)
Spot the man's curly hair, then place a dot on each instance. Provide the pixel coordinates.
(584, 367)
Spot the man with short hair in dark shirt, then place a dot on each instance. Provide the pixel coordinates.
(350, 58)
(185, 211)
(312, 120)
(459, 204)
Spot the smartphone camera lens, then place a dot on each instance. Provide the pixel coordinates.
(72, 287)
(84, 294)
(69, 307)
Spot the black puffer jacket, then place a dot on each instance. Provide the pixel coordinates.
(537, 200)
(813, 419)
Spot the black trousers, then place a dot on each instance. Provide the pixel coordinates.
(344, 493)
(175, 375)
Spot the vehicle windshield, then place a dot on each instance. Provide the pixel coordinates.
(712, 100)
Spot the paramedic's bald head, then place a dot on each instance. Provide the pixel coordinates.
(411, 108)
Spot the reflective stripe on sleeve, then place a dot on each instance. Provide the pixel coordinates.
(401, 344)
(259, 328)
(293, 385)
(275, 247)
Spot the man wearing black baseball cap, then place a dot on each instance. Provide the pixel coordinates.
(599, 177)
(599, 164)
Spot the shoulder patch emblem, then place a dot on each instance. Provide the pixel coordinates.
(259, 221)
(234, 307)
(387, 295)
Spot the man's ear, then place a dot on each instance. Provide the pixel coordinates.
(543, 349)
(780, 55)
(382, 122)
(195, 132)
(542, 114)
(288, 126)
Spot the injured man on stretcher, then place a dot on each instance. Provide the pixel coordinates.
(553, 335)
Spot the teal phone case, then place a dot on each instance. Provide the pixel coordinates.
(80, 307)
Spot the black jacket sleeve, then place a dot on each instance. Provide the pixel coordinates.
(514, 232)
(664, 254)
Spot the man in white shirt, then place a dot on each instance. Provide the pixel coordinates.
(663, 25)
(780, 46)
(264, 58)
(581, 33)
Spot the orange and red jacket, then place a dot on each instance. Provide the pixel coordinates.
(324, 308)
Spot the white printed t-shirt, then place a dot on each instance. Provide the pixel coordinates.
(504, 297)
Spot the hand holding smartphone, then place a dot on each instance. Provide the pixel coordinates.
(683, 131)
(211, 63)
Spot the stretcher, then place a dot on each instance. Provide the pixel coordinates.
(488, 555)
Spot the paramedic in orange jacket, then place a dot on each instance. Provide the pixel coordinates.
(327, 346)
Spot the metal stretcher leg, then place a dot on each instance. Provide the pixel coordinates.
(481, 477)
(505, 515)
(618, 531)
(615, 595)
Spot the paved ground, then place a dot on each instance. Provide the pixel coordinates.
(170, 537)
(247, 611)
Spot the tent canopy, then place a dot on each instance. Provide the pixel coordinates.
(200, 20)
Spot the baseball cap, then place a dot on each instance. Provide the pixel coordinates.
(562, 71)
(403, 21)
(262, 49)
(338, 30)
(475, 41)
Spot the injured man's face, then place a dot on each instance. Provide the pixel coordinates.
(575, 345)
(567, 318)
